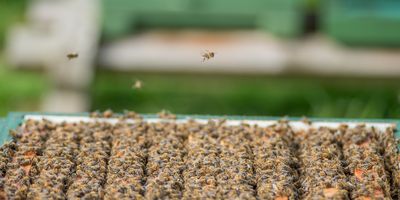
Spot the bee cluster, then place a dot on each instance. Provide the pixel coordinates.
(165, 162)
(127, 164)
(321, 168)
(56, 163)
(202, 162)
(392, 160)
(275, 163)
(195, 160)
(6, 154)
(91, 162)
(363, 152)
(236, 180)
(219, 162)
(22, 169)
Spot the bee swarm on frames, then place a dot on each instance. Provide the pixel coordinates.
(126, 156)
(363, 152)
(321, 169)
(274, 163)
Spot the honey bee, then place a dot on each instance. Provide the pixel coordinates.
(208, 55)
(305, 120)
(137, 85)
(72, 55)
(95, 114)
(108, 113)
(165, 114)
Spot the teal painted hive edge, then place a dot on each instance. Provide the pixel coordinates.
(2, 121)
(15, 119)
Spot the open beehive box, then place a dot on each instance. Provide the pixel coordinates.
(53, 156)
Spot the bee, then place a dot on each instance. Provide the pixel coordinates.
(108, 113)
(72, 55)
(95, 114)
(137, 85)
(208, 55)
(305, 120)
(165, 114)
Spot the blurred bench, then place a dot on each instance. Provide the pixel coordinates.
(281, 17)
(360, 22)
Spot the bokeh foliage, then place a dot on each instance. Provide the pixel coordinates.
(206, 94)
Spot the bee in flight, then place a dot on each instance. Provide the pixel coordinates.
(137, 85)
(72, 55)
(208, 55)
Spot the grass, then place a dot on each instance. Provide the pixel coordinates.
(223, 95)
(11, 11)
(20, 90)
(216, 94)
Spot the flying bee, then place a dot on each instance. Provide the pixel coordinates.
(137, 85)
(208, 55)
(72, 55)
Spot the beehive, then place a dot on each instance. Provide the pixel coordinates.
(196, 157)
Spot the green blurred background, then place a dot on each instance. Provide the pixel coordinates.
(292, 95)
